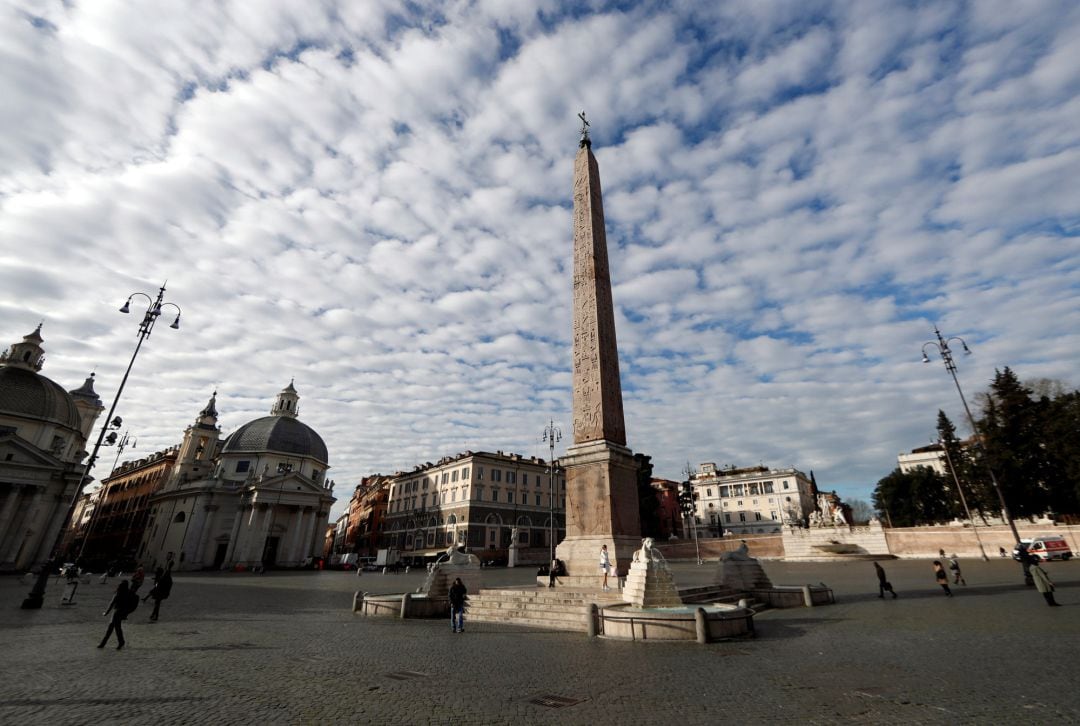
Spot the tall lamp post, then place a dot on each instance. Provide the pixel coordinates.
(552, 434)
(942, 345)
(36, 597)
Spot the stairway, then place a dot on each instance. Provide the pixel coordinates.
(539, 607)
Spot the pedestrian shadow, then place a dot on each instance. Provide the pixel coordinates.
(788, 628)
(936, 592)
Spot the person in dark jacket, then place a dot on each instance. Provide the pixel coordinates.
(457, 605)
(883, 582)
(942, 577)
(161, 589)
(123, 604)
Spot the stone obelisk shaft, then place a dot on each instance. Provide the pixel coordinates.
(601, 483)
(598, 407)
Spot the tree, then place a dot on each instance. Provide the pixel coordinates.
(911, 498)
(1013, 440)
(969, 469)
(861, 511)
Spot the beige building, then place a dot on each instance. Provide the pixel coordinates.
(750, 500)
(476, 500)
(260, 498)
(44, 432)
(932, 457)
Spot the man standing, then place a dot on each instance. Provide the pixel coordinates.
(161, 589)
(457, 605)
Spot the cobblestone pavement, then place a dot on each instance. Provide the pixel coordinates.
(285, 648)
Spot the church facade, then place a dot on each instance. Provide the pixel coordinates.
(258, 498)
(44, 432)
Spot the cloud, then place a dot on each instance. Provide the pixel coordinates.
(375, 200)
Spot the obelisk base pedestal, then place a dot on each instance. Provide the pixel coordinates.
(601, 509)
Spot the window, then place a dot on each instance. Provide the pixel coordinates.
(742, 517)
(739, 502)
(480, 493)
(773, 515)
(511, 477)
(494, 495)
(727, 516)
(525, 479)
(753, 488)
(242, 466)
(726, 504)
(453, 475)
(179, 517)
(725, 491)
(510, 497)
(423, 500)
(736, 490)
(757, 516)
(755, 502)
(445, 477)
(708, 492)
(479, 473)
(538, 499)
(785, 485)
(434, 499)
(496, 475)
(465, 474)
(453, 496)
(426, 482)
(767, 487)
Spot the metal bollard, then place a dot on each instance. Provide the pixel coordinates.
(358, 601)
(701, 626)
(808, 598)
(592, 613)
(405, 605)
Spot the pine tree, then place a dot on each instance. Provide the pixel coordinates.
(1012, 438)
(969, 469)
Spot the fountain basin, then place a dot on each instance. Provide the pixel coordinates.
(794, 596)
(391, 606)
(721, 622)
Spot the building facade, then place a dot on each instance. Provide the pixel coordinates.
(367, 512)
(750, 500)
(260, 498)
(932, 457)
(477, 500)
(44, 431)
(113, 529)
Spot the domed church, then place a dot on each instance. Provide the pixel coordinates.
(44, 432)
(260, 498)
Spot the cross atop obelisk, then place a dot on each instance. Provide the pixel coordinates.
(601, 483)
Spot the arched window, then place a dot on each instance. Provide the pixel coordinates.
(179, 517)
(524, 521)
(493, 519)
(452, 519)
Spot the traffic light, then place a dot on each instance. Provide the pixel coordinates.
(687, 498)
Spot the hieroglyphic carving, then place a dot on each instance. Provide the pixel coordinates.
(597, 406)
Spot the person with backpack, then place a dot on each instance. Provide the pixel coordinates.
(161, 589)
(123, 604)
(954, 567)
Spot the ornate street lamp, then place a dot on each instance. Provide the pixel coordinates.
(36, 597)
(942, 346)
(552, 435)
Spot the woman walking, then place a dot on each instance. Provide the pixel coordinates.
(605, 564)
(123, 604)
(1043, 584)
(942, 577)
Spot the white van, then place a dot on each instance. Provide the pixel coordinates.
(1050, 547)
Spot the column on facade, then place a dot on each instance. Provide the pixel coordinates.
(207, 533)
(257, 541)
(234, 537)
(50, 530)
(306, 546)
(22, 531)
(297, 525)
(248, 534)
(10, 503)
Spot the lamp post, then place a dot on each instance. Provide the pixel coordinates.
(963, 500)
(552, 434)
(36, 597)
(688, 502)
(942, 345)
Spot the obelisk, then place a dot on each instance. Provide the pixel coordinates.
(601, 482)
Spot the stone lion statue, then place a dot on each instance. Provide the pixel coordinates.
(648, 553)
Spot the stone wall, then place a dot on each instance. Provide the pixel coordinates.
(762, 546)
(926, 541)
(819, 543)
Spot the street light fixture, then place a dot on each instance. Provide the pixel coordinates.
(942, 346)
(122, 444)
(552, 434)
(36, 597)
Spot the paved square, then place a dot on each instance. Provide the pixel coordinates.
(285, 648)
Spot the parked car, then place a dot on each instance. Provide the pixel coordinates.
(1049, 547)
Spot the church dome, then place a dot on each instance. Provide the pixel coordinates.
(280, 434)
(26, 393)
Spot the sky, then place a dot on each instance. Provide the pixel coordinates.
(374, 199)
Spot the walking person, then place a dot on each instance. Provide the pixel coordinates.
(942, 577)
(883, 583)
(161, 589)
(1044, 584)
(123, 604)
(954, 567)
(137, 578)
(605, 564)
(458, 594)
